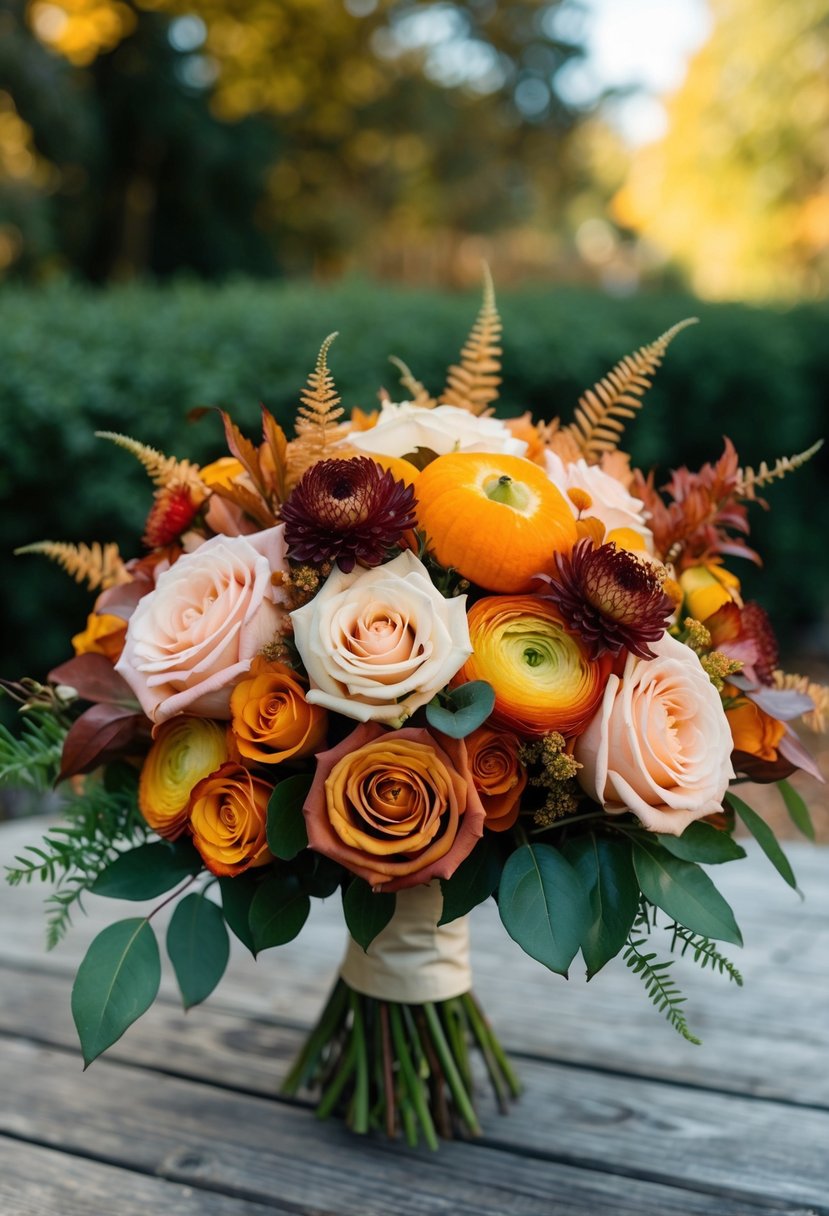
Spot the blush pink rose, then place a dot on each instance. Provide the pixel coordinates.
(193, 637)
(660, 743)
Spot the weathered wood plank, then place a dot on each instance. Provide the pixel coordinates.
(38, 1181)
(252, 1149)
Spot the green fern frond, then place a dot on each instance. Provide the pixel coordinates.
(703, 951)
(32, 759)
(660, 986)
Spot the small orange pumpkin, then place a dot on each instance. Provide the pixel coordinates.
(497, 519)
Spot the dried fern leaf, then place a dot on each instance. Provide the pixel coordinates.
(318, 427)
(99, 566)
(418, 394)
(162, 470)
(751, 480)
(603, 411)
(473, 384)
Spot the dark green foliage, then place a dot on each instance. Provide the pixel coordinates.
(32, 757)
(198, 946)
(366, 912)
(137, 359)
(474, 880)
(660, 986)
(116, 982)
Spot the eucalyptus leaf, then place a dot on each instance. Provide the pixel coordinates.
(605, 868)
(797, 808)
(278, 911)
(466, 708)
(703, 843)
(198, 946)
(684, 891)
(366, 912)
(237, 896)
(116, 982)
(474, 880)
(543, 905)
(287, 834)
(766, 839)
(148, 870)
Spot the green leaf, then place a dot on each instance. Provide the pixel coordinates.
(605, 869)
(287, 835)
(703, 843)
(277, 913)
(198, 946)
(147, 871)
(366, 912)
(543, 905)
(797, 808)
(474, 880)
(766, 839)
(116, 982)
(684, 891)
(468, 706)
(237, 896)
(317, 875)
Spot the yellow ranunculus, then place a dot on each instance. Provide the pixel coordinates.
(184, 751)
(706, 588)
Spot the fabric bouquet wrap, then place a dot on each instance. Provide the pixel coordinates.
(414, 658)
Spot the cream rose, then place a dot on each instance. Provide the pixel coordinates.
(612, 503)
(379, 643)
(403, 428)
(195, 635)
(660, 744)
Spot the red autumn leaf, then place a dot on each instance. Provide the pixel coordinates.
(95, 679)
(99, 735)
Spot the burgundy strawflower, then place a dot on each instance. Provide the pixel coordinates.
(172, 513)
(346, 510)
(611, 598)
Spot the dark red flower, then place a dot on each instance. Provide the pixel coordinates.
(611, 598)
(171, 514)
(346, 510)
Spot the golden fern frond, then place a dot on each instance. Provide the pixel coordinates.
(162, 470)
(603, 410)
(318, 426)
(751, 480)
(473, 384)
(99, 566)
(418, 394)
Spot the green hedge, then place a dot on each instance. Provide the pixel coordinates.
(137, 359)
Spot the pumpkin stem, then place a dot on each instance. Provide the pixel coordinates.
(511, 493)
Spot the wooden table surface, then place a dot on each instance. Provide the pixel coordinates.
(182, 1118)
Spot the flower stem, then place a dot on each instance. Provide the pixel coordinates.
(462, 1100)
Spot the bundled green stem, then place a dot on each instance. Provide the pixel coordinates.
(387, 1066)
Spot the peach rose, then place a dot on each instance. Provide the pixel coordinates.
(660, 744)
(398, 808)
(183, 752)
(104, 634)
(379, 643)
(271, 719)
(193, 637)
(228, 819)
(499, 776)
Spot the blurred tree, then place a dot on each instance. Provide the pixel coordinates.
(737, 192)
(244, 134)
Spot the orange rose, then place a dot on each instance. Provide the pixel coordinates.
(498, 774)
(104, 634)
(228, 818)
(753, 731)
(184, 751)
(398, 808)
(272, 721)
(542, 676)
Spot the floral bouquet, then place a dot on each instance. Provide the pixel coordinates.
(420, 658)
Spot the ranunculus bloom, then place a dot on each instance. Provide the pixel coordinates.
(403, 428)
(398, 808)
(104, 634)
(753, 730)
(271, 719)
(498, 775)
(228, 819)
(183, 752)
(611, 502)
(193, 637)
(660, 745)
(541, 673)
(379, 643)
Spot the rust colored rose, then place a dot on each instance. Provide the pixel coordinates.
(397, 808)
(228, 816)
(499, 776)
(271, 720)
(104, 634)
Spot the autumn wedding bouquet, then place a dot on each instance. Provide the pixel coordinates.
(414, 659)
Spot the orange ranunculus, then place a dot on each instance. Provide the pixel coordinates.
(271, 720)
(398, 808)
(104, 634)
(228, 818)
(499, 776)
(541, 673)
(184, 751)
(753, 731)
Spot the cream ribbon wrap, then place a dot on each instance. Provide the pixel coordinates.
(413, 960)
